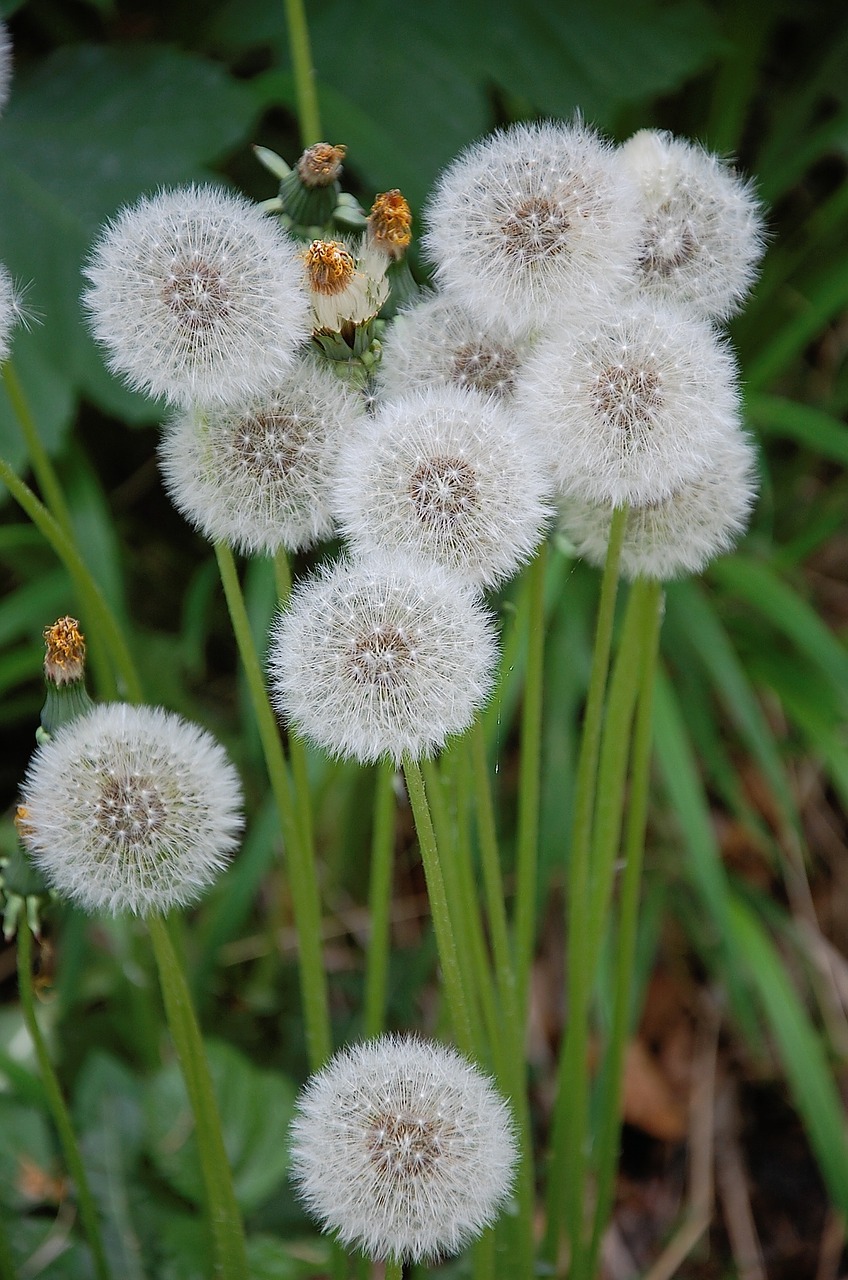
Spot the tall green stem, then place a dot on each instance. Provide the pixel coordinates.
(58, 1109)
(297, 750)
(567, 1168)
(445, 941)
(45, 473)
(100, 616)
(302, 873)
(529, 777)
(229, 1249)
(304, 73)
(380, 900)
(628, 918)
(394, 1269)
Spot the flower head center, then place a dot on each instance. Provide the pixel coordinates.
(129, 809)
(669, 243)
(196, 293)
(537, 228)
(442, 490)
(379, 655)
(329, 267)
(486, 367)
(404, 1145)
(390, 223)
(269, 445)
(627, 397)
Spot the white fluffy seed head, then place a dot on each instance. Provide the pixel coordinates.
(530, 220)
(634, 405)
(701, 235)
(131, 809)
(383, 657)
(682, 533)
(5, 64)
(402, 1148)
(437, 341)
(197, 296)
(449, 475)
(257, 476)
(11, 312)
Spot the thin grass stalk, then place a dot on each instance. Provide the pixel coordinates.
(306, 97)
(229, 1248)
(529, 779)
(567, 1166)
(628, 920)
(301, 866)
(58, 1108)
(101, 619)
(297, 750)
(462, 908)
(380, 900)
(445, 941)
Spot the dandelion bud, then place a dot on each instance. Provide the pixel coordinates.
(448, 475)
(345, 288)
(197, 297)
(383, 657)
(681, 533)
(321, 164)
(531, 219)
(309, 192)
(64, 674)
(390, 224)
(257, 476)
(402, 1148)
(131, 809)
(632, 405)
(701, 236)
(438, 341)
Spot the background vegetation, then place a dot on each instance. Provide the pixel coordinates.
(745, 920)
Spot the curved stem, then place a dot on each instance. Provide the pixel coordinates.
(380, 900)
(445, 941)
(44, 470)
(566, 1176)
(301, 865)
(58, 1109)
(100, 615)
(225, 1221)
(304, 73)
(640, 768)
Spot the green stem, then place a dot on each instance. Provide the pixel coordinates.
(297, 749)
(229, 1250)
(100, 617)
(380, 900)
(302, 873)
(58, 1109)
(304, 73)
(445, 941)
(45, 474)
(394, 1269)
(567, 1169)
(529, 777)
(628, 919)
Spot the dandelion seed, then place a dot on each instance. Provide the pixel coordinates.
(403, 1148)
(446, 474)
(383, 657)
(131, 809)
(197, 297)
(530, 220)
(257, 476)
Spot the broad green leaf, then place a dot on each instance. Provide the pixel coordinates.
(808, 426)
(255, 1108)
(800, 1050)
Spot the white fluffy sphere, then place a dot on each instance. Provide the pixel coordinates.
(633, 405)
(131, 809)
(701, 236)
(439, 341)
(682, 533)
(403, 1148)
(257, 475)
(447, 474)
(197, 296)
(383, 657)
(530, 220)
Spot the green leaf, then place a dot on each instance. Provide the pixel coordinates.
(85, 132)
(811, 427)
(255, 1107)
(800, 1050)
